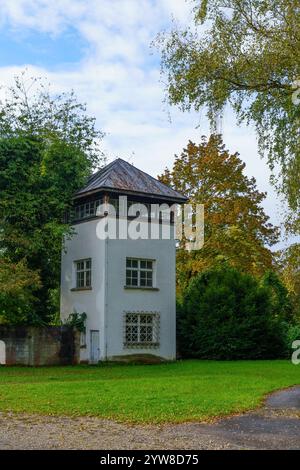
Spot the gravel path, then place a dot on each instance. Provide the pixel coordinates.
(275, 426)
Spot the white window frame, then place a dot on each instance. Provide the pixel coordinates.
(87, 279)
(140, 269)
(140, 324)
(86, 210)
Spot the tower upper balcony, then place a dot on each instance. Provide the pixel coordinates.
(120, 178)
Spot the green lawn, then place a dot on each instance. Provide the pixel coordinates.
(174, 392)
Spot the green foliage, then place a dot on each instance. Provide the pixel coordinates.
(175, 392)
(47, 150)
(29, 108)
(243, 53)
(280, 298)
(292, 334)
(77, 320)
(16, 297)
(289, 269)
(225, 314)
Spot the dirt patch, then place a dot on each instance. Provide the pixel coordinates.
(275, 426)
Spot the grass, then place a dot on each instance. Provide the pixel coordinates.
(175, 392)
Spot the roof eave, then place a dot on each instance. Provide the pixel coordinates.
(180, 199)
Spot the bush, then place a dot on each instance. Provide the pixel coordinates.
(281, 301)
(17, 285)
(292, 334)
(225, 314)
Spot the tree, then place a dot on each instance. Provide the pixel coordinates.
(47, 150)
(281, 300)
(30, 109)
(16, 285)
(225, 314)
(243, 53)
(289, 269)
(236, 229)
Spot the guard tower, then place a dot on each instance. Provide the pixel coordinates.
(124, 283)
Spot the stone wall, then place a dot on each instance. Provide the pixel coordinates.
(39, 346)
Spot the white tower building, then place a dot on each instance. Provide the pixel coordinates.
(124, 283)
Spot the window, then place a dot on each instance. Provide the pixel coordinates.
(141, 209)
(83, 273)
(114, 203)
(84, 211)
(141, 329)
(139, 272)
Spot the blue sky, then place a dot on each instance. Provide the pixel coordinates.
(101, 50)
(40, 49)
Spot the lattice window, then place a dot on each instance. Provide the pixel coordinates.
(83, 273)
(139, 272)
(141, 329)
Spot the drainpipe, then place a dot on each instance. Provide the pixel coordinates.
(105, 297)
(106, 200)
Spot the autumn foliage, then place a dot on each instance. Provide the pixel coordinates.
(237, 229)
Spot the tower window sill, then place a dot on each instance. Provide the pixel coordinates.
(141, 345)
(78, 289)
(141, 288)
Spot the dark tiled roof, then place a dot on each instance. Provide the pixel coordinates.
(121, 176)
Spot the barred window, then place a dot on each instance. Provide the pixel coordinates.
(83, 273)
(139, 272)
(141, 329)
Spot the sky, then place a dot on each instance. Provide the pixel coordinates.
(102, 50)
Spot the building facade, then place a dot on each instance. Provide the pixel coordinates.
(119, 266)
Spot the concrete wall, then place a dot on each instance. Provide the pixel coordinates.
(39, 346)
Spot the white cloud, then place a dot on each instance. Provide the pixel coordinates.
(119, 78)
